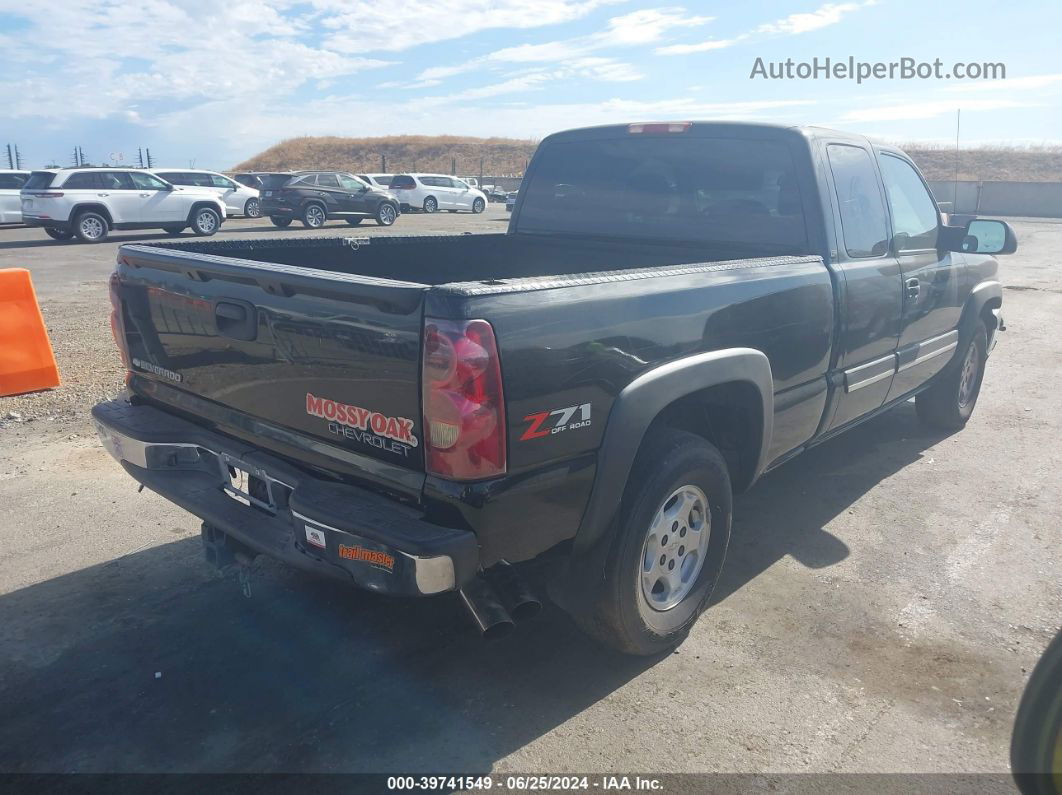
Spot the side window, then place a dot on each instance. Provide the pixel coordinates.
(913, 210)
(146, 181)
(117, 180)
(173, 177)
(327, 181)
(456, 183)
(349, 183)
(218, 181)
(83, 181)
(863, 223)
(12, 181)
(303, 182)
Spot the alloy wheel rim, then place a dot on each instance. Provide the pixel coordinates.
(205, 221)
(429, 206)
(315, 216)
(253, 209)
(675, 548)
(969, 376)
(91, 228)
(387, 214)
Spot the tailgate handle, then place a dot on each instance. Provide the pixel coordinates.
(235, 319)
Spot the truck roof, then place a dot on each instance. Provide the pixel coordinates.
(807, 131)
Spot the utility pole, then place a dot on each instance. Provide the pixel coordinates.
(18, 158)
(383, 164)
(10, 159)
(76, 161)
(140, 156)
(481, 173)
(453, 166)
(150, 162)
(80, 156)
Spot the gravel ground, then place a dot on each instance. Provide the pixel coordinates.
(884, 598)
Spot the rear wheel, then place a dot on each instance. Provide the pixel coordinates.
(280, 221)
(478, 205)
(58, 234)
(205, 221)
(90, 227)
(252, 209)
(950, 401)
(430, 205)
(386, 214)
(314, 216)
(671, 539)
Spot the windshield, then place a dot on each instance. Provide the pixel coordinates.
(682, 189)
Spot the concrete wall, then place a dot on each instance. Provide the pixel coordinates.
(1034, 199)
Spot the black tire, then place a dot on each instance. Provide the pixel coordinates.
(58, 234)
(91, 227)
(386, 214)
(280, 221)
(314, 216)
(206, 221)
(173, 230)
(950, 401)
(252, 209)
(355, 221)
(478, 206)
(430, 204)
(669, 462)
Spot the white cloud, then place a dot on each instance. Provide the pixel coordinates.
(1027, 83)
(400, 24)
(829, 14)
(928, 110)
(704, 46)
(638, 28)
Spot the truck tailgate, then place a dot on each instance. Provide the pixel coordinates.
(332, 357)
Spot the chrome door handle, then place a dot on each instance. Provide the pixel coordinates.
(103, 195)
(144, 195)
(911, 288)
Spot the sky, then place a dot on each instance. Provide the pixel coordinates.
(212, 82)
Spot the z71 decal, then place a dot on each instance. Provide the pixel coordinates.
(547, 423)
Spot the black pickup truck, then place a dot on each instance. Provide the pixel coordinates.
(674, 310)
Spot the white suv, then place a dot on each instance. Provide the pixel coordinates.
(89, 202)
(239, 199)
(11, 183)
(431, 192)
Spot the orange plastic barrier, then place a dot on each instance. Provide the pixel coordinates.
(27, 363)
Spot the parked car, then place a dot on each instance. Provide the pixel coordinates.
(89, 202)
(704, 303)
(379, 181)
(510, 200)
(11, 183)
(314, 197)
(495, 194)
(431, 192)
(239, 199)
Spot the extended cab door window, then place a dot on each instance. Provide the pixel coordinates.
(932, 290)
(871, 303)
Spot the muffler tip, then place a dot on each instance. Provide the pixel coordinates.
(486, 609)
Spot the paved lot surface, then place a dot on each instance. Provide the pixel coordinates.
(885, 597)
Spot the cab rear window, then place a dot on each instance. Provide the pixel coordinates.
(275, 180)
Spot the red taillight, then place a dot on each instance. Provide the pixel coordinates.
(659, 128)
(117, 325)
(464, 408)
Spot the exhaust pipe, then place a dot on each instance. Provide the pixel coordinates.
(517, 597)
(486, 608)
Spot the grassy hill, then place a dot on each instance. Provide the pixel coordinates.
(508, 156)
(500, 156)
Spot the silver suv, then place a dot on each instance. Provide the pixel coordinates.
(89, 202)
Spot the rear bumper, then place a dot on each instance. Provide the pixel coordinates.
(372, 541)
(50, 223)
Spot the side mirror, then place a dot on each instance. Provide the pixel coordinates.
(985, 236)
(167, 187)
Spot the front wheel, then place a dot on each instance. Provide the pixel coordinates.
(673, 530)
(252, 209)
(950, 401)
(58, 234)
(430, 205)
(314, 216)
(478, 206)
(386, 214)
(280, 221)
(205, 222)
